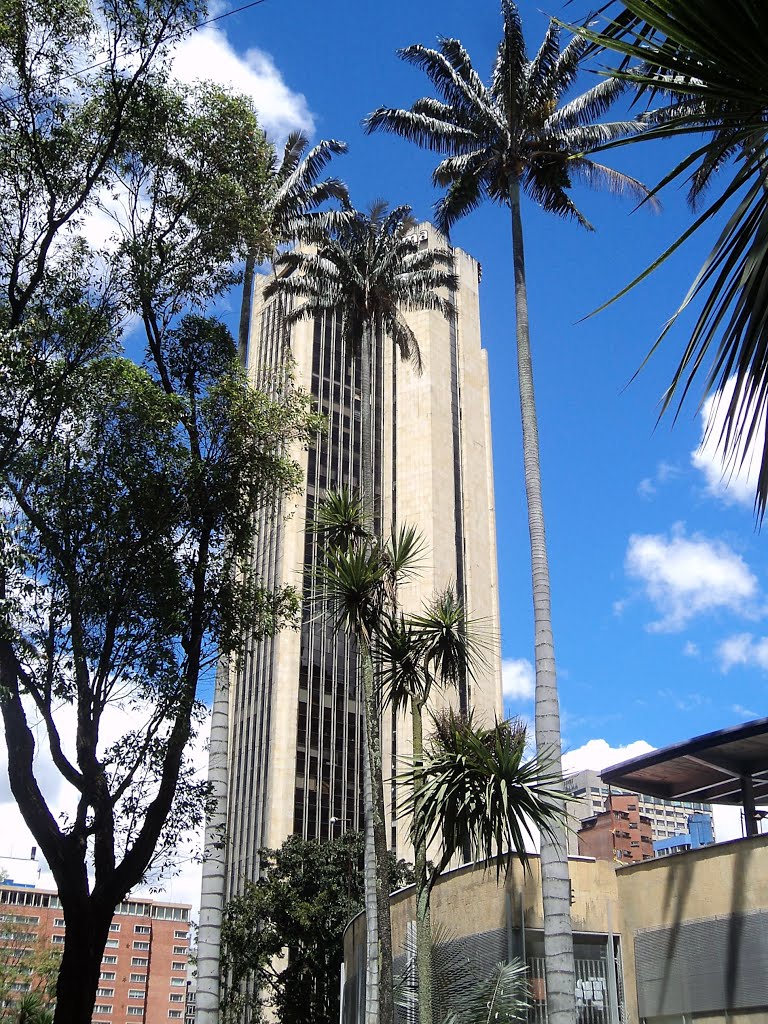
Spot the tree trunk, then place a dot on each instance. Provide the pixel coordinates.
(214, 855)
(379, 1008)
(423, 919)
(87, 931)
(555, 882)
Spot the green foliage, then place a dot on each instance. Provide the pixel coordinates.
(706, 61)
(129, 492)
(480, 792)
(282, 940)
(26, 960)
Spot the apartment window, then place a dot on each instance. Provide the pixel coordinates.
(108, 959)
(179, 950)
(175, 997)
(139, 977)
(178, 981)
(58, 922)
(138, 961)
(142, 929)
(135, 993)
(102, 1008)
(107, 976)
(141, 945)
(57, 938)
(631, 807)
(179, 934)
(114, 927)
(135, 1011)
(635, 844)
(105, 993)
(113, 943)
(175, 1013)
(178, 965)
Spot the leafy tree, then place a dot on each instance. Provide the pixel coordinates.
(128, 491)
(368, 272)
(283, 939)
(499, 141)
(707, 62)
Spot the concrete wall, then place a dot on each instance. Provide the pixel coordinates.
(719, 893)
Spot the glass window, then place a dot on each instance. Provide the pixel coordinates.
(109, 959)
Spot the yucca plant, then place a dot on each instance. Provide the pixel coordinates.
(465, 991)
(518, 136)
(418, 654)
(706, 62)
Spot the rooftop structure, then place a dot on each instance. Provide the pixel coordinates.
(587, 794)
(620, 832)
(729, 766)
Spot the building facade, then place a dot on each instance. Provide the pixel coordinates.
(587, 794)
(144, 967)
(619, 832)
(296, 725)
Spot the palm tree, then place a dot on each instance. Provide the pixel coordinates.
(709, 61)
(497, 142)
(293, 212)
(416, 655)
(411, 654)
(359, 577)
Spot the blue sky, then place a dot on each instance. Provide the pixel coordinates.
(658, 580)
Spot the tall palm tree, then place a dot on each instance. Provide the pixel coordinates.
(369, 271)
(709, 62)
(294, 211)
(499, 141)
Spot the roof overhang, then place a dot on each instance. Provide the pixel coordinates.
(725, 767)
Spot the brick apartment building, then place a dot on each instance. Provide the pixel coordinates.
(144, 968)
(620, 832)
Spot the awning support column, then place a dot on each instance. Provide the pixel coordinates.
(748, 800)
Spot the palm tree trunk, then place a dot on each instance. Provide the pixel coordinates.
(423, 918)
(214, 854)
(215, 850)
(383, 1013)
(555, 882)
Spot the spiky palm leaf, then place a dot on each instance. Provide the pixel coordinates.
(499, 999)
(709, 60)
(341, 521)
(478, 791)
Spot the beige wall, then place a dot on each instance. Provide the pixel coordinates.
(714, 882)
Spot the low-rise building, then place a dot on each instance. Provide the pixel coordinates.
(620, 832)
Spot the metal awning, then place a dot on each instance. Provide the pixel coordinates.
(725, 767)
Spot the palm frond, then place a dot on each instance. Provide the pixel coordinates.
(502, 998)
(478, 792)
(341, 520)
(610, 180)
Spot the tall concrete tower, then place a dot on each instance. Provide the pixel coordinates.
(296, 728)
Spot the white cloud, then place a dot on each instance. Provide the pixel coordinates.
(646, 488)
(727, 822)
(599, 754)
(518, 679)
(208, 54)
(687, 576)
(736, 482)
(745, 713)
(691, 650)
(743, 649)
